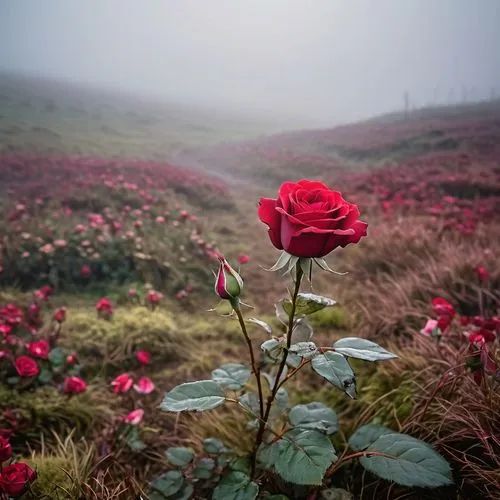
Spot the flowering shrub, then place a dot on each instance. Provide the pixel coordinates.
(292, 444)
(29, 354)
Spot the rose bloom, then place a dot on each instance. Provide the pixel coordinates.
(59, 315)
(5, 449)
(143, 357)
(482, 274)
(122, 383)
(134, 417)
(144, 386)
(26, 366)
(442, 307)
(243, 259)
(74, 385)
(16, 478)
(5, 329)
(153, 297)
(429, 327)
(39, 349)
(60, 243)
(308, 219)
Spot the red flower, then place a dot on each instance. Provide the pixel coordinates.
(5, 449)
(11, 314)
(16, 478)
(310, 220)
(85, 271)
(39, 349)
(134, 417)
(5, 329)
(153, 297)
(482, 274)
(26, 366)
(144, 386)
(74, 385)
(122, 383)
(71, 359)
(59, 315)
(443, 308)
(243, 259)
(228, 284)
(104, 307)
(143, 357)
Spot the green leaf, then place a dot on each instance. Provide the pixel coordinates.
(282, 261)
(45, 376)
(214, 446)
(280, 404)
(281, 313)
(315, 416)
(306, 266)
(185, 494)
(407, 461)
(293, 360)
(240, 464)
(306, 350)
(13, 380)
(367, 435)
(204, 468)
(272, 348)
(250, 400)
(236, 486)
(335, 368)
(267, 455)
(304, 456)
(168, 483)
(260, 323)
(302, 331)
(362, 349)
(308, 303)
(57, 356)
(180, 456)
(231, 376)
(194, 396)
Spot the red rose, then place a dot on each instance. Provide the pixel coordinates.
(15, 479)
(143, 357)
(26, 366)
(59, 315)
(443, 308)
(310, 220)
(5, 449)
(39, 349)
(122, 383)
(74, 385)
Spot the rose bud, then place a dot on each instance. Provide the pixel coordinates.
(39, 349)
(15, 479)
(482, 274)
(228, 284)
(134, 417)
(122, 383)
(26, 366)
(5, 449)
(59, 315)
(74, 385)
(71, 359)
(144, 386)
(243, 259)
(143, 357)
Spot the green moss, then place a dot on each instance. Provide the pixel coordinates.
(330, 317)
(47, 410)
(52, 481)
(113, 342)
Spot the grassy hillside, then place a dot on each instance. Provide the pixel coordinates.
(145, 235)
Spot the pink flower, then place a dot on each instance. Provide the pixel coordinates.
(85, 271)
(482, 274)
(243, 259)
(60, 243)
(5, 329)
(144, 386)
(122, 383)
(143, 357)
(39, 349)
(134, 417)
(74, 385)
(59, 315)
(430, 328)
(104, 307)
(160, 219)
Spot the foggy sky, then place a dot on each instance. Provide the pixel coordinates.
(324, 60)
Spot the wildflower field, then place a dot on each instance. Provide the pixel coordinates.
(133, 291)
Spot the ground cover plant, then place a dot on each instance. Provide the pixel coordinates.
(107, 273)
